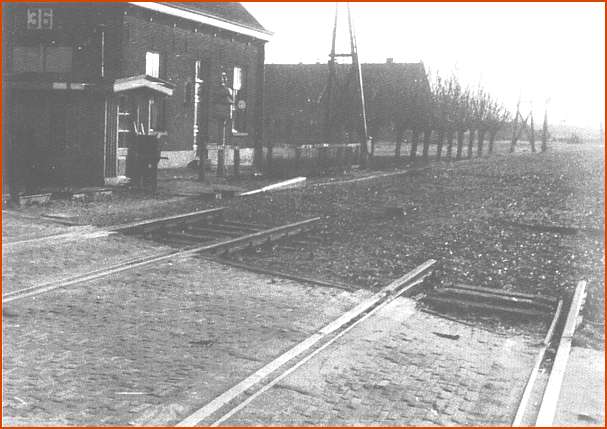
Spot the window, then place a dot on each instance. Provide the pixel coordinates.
(125, 121)
(239, 85)
(41, 59)
(156, 115)
(58, 59)
(28, 59)
(152, 64)
(152, 115)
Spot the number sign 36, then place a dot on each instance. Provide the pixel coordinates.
(40, 19)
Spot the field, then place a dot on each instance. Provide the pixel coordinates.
(485, 220)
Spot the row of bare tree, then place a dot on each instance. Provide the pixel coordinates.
(451, 112)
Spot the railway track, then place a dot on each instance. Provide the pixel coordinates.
(210, 234)
(199, 233)
(239, 396)
(542, 414)
(221, 409)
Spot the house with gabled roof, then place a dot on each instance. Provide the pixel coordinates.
(295, 101)
(80, 79)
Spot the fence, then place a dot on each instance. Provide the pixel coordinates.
(310, 160)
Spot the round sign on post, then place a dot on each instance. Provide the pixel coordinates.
(241, 105)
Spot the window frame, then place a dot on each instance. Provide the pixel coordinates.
(41, 53)
(240, 94)
(148, 66)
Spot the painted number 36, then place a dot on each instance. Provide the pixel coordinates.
(40, 19)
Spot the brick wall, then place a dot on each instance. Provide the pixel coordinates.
(180, 43)
(76, 26)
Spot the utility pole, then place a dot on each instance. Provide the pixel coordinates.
(336, 94)
(532, 134)
(545, 132)
(515, 126)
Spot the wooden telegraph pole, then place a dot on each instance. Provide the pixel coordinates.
(337, 94)
(532, 133)
(516, 130)
(545, 132)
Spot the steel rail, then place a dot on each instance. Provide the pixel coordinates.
(529, 386)
(288, 276)
(146, 226)
(548, 406)
(90, 231)
(222, 247)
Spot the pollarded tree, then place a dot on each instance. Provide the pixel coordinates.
(439, 105)
(497, 117)
(482, 105)
(463, 115)
(452, 100)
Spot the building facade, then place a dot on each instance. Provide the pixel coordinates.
(296, 101)
(79, 79)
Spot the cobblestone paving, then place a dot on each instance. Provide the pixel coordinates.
(394, 370)
(16, 227)
(148, 346)
(40, 262)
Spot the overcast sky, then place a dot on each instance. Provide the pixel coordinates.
(537, 51)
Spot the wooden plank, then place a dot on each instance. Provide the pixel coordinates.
(547, 410)
(555, 229)
(557, 315)
(287, 184)
(475, 295)
(547, 299)
(263, 237)
(484, 307)
(522, 408)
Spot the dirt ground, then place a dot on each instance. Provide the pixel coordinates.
(179, 191)
(463, 214)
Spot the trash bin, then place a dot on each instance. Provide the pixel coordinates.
(149, 156)
(142, 161)
(132, 159)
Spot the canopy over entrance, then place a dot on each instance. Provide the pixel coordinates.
(144, 82)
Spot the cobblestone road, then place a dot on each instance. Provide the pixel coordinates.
(394, 370)
(147, 346)
(40, 262)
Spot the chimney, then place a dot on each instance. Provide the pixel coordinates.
(389, 60)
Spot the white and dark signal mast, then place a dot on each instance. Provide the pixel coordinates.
(339, 110)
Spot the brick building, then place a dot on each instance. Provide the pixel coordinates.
(295, 107)
(80, 78)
